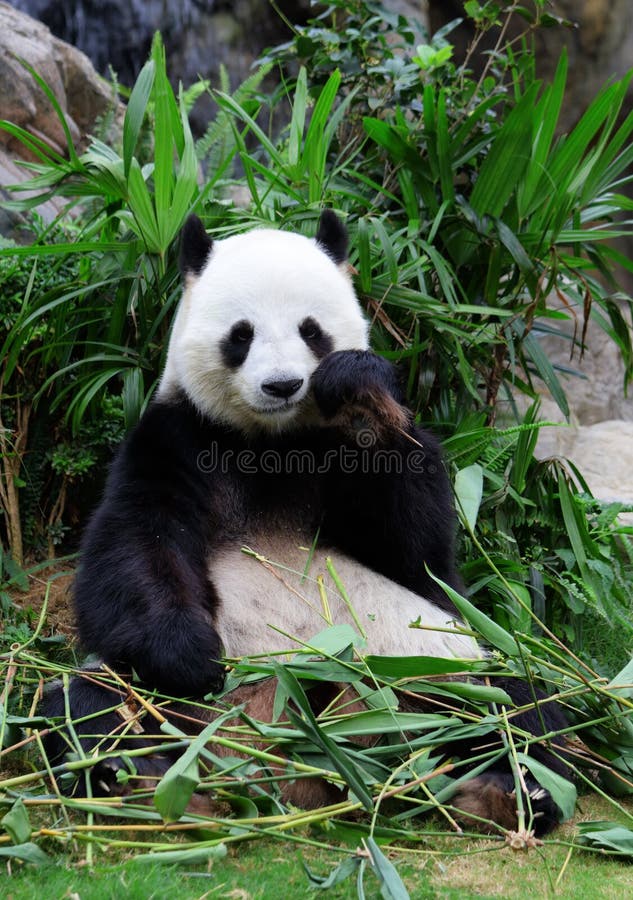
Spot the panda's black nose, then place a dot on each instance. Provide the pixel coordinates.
(282, 389)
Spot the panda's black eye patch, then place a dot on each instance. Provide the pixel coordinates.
(317, 340)
(236, 344)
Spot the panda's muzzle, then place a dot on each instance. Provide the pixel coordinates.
(282, 390)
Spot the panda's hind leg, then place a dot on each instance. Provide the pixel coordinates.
(106, 726)
(489, 803)
(491, 796)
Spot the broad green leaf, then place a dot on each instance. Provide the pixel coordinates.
(176, 788)
(478, 693)
(546, 115)
(16, 823)
(298, 119)
(469, 488)
(391, 885)
(622, 684)
(506, 160)
(563, 791)
(489, 630)
(545, 371)
(144, 222)
(349, 866)
(135, 112)
(308, 724)
(177, 785)
(607, 836)
(190, 856)
(333, 640)
(415, 666)
(376, 721)
(28, 852)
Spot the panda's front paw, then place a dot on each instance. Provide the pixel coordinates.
(356, 390)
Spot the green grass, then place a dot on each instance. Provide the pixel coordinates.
(443, 867)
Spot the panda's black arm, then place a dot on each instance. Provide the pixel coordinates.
(143, 599)
(390, 505)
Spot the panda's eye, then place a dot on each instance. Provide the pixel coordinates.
(241, 333)
(317, 341)
(310, 330)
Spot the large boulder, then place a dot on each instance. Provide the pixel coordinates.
(83, 95)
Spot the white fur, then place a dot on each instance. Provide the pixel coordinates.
(261, 594)
(274, 280)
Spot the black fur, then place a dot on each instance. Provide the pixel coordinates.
(195, 246)
(317, 340)
(236, 344)
(332, 236)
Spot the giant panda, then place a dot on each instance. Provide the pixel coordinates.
(276, 462)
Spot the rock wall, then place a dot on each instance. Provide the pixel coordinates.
(199, 35)
(82, 94)
(599, 43)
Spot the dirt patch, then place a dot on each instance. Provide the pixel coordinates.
(52, 586)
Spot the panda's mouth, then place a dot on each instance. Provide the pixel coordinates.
(286, 406)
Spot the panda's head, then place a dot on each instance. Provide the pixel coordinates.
(258, 313)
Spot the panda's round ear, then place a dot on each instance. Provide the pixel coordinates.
(195, 246)
(332, 236)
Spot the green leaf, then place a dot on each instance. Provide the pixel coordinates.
(190, 856)
(489, 630)
(346, 868)
(506, 160)
(377, 721)
(177, 785)
(622, 684)
(478, 693)
(391, 885)
(16, 823)
(29, 853)
(563, 791)
(469, 489)
(135, 112)
(606, 836)
(415, 666)
(306, 721)
(545, 371)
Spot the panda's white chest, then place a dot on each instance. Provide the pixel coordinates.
(274, 595)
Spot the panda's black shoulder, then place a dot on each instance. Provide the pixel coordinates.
(163, 448)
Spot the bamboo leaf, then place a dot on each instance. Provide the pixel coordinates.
(188, 857)
(391, 885)
(489, 630)
(415, 666)
(16, 823)
(135, 112)
(177, 785)
(507, 159)
(607, 836)
(29, 853)
(349, 866)
(469, 488)
(545, 371)
(563, 791)
(306, 721)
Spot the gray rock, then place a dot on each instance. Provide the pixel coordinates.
(82, 94)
